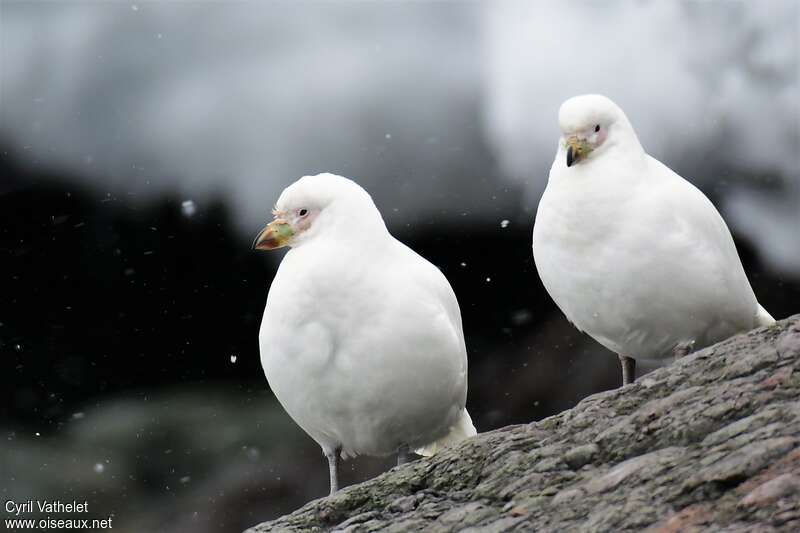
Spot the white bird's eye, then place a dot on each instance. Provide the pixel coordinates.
(302, 212)
(597, 128)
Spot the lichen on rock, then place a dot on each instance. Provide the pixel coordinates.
(710, 442)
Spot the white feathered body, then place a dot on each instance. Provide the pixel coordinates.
(639, 258)
(362, 344)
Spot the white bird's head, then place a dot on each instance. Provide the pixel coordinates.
(590, 124)
(314, 205)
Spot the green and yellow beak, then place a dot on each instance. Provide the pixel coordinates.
(277, 234)
(577, 150)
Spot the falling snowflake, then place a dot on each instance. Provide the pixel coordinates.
(188, 208)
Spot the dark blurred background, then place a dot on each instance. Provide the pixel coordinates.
(142, 145)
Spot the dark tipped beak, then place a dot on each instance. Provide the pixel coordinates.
(277, 234)
(577, 150)
(257, 240)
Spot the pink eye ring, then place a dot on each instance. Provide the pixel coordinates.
(302, 212)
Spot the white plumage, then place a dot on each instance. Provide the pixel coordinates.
(361, 339)
(633, 254)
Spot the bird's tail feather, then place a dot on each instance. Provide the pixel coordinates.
(461, 430)
(763, 318)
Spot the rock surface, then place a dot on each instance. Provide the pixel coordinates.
(710, 442)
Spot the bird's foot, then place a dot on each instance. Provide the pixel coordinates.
(683, 349)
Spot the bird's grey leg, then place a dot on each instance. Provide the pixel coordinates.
(402, 455)
(333, 467)
(628, 369)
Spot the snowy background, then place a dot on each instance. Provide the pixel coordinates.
(143, 144)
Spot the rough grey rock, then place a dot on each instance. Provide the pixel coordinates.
(710, 442)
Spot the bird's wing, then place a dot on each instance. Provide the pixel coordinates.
(699, 234)
(430, 289)
(692, 213)
(435, 284)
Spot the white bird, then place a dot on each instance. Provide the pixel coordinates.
(632, 253)
(361, 339)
